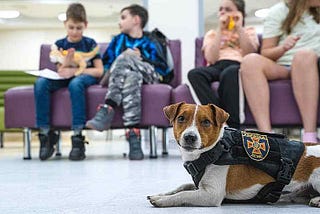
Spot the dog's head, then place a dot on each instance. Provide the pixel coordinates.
(196, 127)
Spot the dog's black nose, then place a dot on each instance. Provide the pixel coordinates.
(190, 138)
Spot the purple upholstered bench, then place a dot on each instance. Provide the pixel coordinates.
(20, 109)
(283, 108)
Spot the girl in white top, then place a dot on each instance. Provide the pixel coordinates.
(290, 50)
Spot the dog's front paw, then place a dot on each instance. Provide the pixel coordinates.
(315, 202)
(156, 200)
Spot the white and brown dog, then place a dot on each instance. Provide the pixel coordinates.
(197, 129)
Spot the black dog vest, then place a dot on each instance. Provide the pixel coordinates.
(271, 153)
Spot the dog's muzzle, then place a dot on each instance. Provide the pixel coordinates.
(190, 140)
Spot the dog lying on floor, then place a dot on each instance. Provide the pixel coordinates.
(262, 168)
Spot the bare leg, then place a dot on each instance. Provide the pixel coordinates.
(255, 72)
(305, 83)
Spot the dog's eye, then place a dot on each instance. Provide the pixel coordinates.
(206, 123)
(181, 119)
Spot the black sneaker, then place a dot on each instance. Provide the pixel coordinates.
(134, 138)
(78, 149)
(103, 118)
(47, 143)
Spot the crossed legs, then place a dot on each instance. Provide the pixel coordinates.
(256, 70)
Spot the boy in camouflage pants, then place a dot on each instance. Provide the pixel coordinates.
(131, 59)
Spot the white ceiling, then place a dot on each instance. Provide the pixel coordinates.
(101, 13)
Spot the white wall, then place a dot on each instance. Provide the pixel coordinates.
(178, 19)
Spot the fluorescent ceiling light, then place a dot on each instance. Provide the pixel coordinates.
(62, 17)
(9, 14)
(262, 13)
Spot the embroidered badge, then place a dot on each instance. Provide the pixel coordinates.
(256, 145)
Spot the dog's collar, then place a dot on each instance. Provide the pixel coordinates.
(197, 167)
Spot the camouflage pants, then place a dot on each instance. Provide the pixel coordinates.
(128, 72)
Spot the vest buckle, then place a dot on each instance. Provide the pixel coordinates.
(285, 173)
(191, 168)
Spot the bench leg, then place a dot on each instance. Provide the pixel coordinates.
(58, 146)
(153, 142)
(1, 139)
(27, 144)
(164, 142)
(109, 135)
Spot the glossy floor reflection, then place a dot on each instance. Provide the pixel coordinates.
(106, 182)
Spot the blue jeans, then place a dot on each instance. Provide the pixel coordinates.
(43, 88)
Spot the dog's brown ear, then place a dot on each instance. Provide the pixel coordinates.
(172, 110)
(221, 116)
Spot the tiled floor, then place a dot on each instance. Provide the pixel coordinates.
(106, 182)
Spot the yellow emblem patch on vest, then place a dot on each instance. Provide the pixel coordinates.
(256, 145)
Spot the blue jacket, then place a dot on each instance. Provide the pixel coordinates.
(147, 47)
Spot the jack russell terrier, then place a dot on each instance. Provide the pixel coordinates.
(228, 165)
